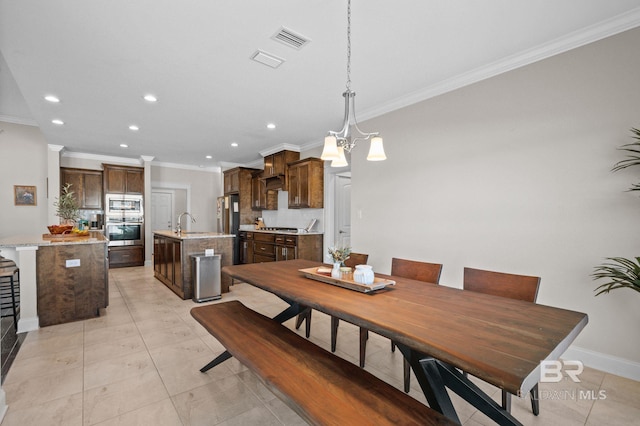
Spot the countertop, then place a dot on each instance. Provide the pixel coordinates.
(262, 231)
(37, 240)
(192, 235)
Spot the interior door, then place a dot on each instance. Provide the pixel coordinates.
(342, 228)
(161, 210)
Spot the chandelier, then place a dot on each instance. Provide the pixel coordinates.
(336, 143)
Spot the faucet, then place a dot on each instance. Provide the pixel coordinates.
(179, 228)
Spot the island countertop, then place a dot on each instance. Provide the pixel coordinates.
(192, 235)
(94, 237)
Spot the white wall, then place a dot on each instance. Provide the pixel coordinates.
(23, 161)
(514, 174)
(203, 187)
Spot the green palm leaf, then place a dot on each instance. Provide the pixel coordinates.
(619, 273)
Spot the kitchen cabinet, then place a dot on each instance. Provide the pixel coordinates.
(172, 258)
(261, 197)
(86, 186)
(238, 181)
(123, 179)
(276, 164)
(306, 183)
(273, 247)
(125, 256)
(246, 247)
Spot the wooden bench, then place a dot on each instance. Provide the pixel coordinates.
(322, 388)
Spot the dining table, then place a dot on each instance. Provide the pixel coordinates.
(445, 333)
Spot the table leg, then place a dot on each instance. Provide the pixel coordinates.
(435, 376)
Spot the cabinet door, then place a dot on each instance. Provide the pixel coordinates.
(116, 180)
(268, 165)
(92, 191)
(134, 182)
(74, 178)
(231, 181)
(258, 193)
(175, 247)
(279, 164)
(299, 188)
(285, 253)
(294, 185)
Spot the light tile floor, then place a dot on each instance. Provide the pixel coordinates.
(138, 365)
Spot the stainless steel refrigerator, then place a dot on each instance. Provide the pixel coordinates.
(228, 218)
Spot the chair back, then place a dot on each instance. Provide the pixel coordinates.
(356, 259)
(521, 287)
(412, 269)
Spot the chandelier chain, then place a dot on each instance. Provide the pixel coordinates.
(349, 45)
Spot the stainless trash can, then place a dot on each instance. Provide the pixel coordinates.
(205, 275)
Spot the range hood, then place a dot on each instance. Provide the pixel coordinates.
(275, 182)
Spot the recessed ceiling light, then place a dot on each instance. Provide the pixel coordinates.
(150, 98)
(58, 122)
(271, 126)
(208, 157)
(234, 144)
(134, 128)
(52, 99)
(124, 145)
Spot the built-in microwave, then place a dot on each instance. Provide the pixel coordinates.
(121, 205)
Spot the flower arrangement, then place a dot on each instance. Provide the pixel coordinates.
(339, 254)
(66, 205)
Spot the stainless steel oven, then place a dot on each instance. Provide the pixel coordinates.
(122, 233)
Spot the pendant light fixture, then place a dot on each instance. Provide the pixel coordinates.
(336, 143)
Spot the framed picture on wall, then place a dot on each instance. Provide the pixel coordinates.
(24, 195)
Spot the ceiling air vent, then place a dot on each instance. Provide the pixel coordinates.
(267, 59)
(291, 38)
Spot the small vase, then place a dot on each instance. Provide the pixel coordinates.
(335, 272)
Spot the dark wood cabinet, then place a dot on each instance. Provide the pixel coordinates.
(167, 263)
(273, 247)
(238, 181)
(261, 197)
(246, 247)
(86, 186)
(123, 179)
(306, 184)
(276, 164)
(125, 256)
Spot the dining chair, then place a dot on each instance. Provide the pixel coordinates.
(520, 287)
(353, 260)
(415, 270)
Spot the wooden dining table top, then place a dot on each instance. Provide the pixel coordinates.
(496, 339)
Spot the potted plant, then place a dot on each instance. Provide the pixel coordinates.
(67, 206)
(338, 255)
(619, 271)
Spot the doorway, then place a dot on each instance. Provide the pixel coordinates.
(162, 209)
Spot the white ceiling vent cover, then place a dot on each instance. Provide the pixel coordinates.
(267, 59)
(291, 38)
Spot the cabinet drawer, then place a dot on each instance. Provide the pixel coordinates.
(261, 236)
(259, 259)
(287, 240)
(264, 249)
(126, 256)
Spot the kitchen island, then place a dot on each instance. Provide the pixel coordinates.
(61, 279)
(172, 257)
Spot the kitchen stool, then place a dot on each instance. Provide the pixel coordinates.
(9, 293)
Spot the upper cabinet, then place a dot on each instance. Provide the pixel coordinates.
(232, 181)
(123, 179)
(86, 186)
(306, 184)
(238, 181)
(276, 164)
(261, 197)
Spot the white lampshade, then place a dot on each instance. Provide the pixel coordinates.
(342, 161)
(376, 151)
(330, 151)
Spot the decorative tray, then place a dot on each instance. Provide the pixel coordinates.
(378, 283)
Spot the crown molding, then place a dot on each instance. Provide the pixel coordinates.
(593, 33)
(212, 169)
(278, 148)
(17, 120)
(102, 158)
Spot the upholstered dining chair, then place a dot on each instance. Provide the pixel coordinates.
(415, 270)
(520, 287)
(353, 260)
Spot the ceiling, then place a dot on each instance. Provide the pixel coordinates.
(101, 57)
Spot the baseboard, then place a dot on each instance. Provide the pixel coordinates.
(28, 324)
(604, 362)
